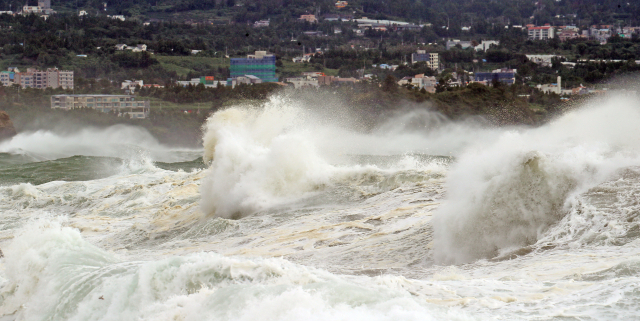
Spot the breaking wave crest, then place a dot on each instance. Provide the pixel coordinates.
(52, 273)
(282, 151)
(120, 141)
(507, 194)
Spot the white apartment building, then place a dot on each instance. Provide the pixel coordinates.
(123, 105)
(541, 33)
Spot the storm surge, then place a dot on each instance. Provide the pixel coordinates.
(287, 149)
(296, 210)
(120, 141)
(506, 194)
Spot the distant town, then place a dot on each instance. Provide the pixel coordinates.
(128, 65)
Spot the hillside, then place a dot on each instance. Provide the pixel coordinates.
(454, 13)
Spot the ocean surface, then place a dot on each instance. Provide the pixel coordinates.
(294, 212)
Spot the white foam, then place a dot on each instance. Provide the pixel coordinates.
(505, 194)
(284, 150)
(53, 273)
(121, 141)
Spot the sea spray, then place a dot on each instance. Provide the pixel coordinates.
(123, 141)
(258, 158)
(286, 149)
(505, 195)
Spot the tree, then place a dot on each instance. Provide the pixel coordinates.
(443, 83)
(390, 84)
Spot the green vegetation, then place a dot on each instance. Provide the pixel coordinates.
(218, 28)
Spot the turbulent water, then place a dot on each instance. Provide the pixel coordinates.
(293, 212)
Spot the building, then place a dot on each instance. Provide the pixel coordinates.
(542, 60)
(130, 86)
(602, 35)
(308, 18)
(545, 32)
(313, 33)
(260, 64)
(207, 81)
(335, 81)
(7, 77)
(486, 44)
(33, 78)
(137, 48)
(337, 17)
(301, 59)
(341, 4)
(455, 42)
(117, 17)
(420, 81)
(568, 34)
(432, 59)
(301, 82)
(261, 24)
(506, 76)
(552, 88)
(243, 80)
(122, 105)
(43, 8)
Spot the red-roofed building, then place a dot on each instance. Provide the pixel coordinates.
(541, 33)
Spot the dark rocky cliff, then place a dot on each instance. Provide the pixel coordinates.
(6, 126)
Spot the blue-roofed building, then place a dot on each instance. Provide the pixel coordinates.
(261, 65)
(506, 76)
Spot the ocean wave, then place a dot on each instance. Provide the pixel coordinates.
(284, 151)
(507, 194)
(119, 141)
(52, 273)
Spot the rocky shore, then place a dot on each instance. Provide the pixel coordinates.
(6, 126)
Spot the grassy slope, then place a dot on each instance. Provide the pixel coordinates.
(185, 64)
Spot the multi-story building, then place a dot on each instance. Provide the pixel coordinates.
(7, 77)
(541, 33)
(33, 78)
(122, 105)
(260, 64)
(43, 8)
(432, 59)
(506, 76)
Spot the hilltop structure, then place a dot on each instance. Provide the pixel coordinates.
(43, 8)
